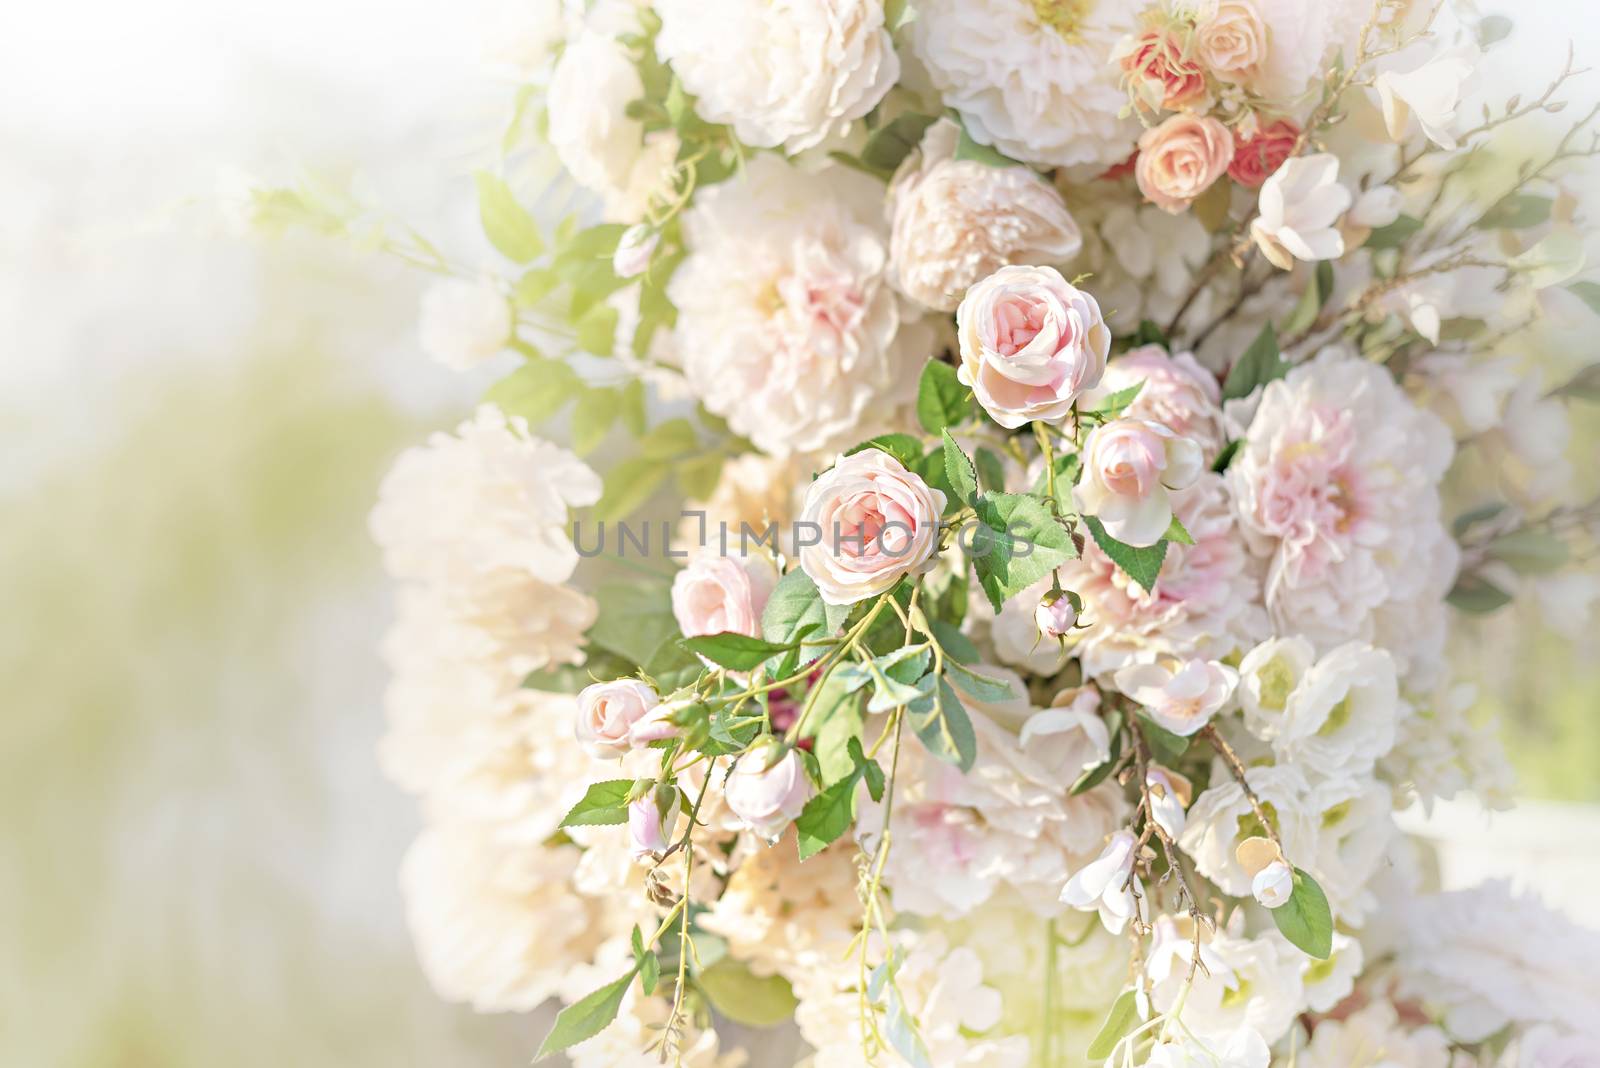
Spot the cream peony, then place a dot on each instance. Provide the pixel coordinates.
(464, 323)
(1300, 206)
(789, 74)
(866, 523)
(1129, 467)
(717, 594)
(787, 324)
(1038, 80)
(1031, 342)
(1336, 486)
(958, 221)
(605, 150)
(1182, 158)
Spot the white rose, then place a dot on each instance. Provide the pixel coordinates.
(865, 524)
(607, 713)
(790, 73)
(1129, 467)
(1030, 343)
(718, 594)
(766, 791)
(463, 323)
(957, 221)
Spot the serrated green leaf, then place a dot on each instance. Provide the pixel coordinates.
(1124, 1017)
(985, 688)
(592, 417)
(1305, 919)
(794, 606)
(506, 223)
(1140, 563)
(1259, 365)
(991, 469)
(535, 391)
(747, 998)
(1015, 543)
(602, 804)
(942, 401)
(941, 723)
(737, 652)
(596, 330)
(957, 646)
(826, 817)
(1176, 532)
(649, 972)
(958, 469)
(634, 619)
(903, 447)
(1114, 403)
(587, 1017)
(672, 666)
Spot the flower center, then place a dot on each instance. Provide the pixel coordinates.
(1066, 17)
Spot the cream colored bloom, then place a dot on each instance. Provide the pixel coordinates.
(790, 74)
(1182, 158)
(1431, 91)
(1181, 696)
(1230, 40)
(958, 221)
(1300, 207)
(1130, 467)
(464, 323)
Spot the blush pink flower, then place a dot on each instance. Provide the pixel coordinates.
(1129, 467)
(1175, 391)
(1031, 342)
(766, 791)
(1181, 696)
(1161, 76)
(1181, 158)
(608, 713)
(865, 524)
(1257, 157)
(723, 594)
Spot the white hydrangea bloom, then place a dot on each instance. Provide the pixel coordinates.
(786, 322)
(1483, 958)
(1336, 485)
(1442, 751)
(792, 73)
(1034, 79)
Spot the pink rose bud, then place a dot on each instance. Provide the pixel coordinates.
(634, 250)
(1055, 615)
(767, 790)
(1273, 885)
(1030, 343)
(651, 820)
(717, 594)
(656, 725)
(607, 713)
(1129, 465)
(865, 524)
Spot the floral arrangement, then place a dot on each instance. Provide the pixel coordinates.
(1083, 424)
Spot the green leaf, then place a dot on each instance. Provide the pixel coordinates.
(1176, 532)
(903, 447)
(1588, 292)
(795, 606)
(985, 688)
(1140, 563)
(1311, 301)
(506, 223)
(535, 391)
(1016, 542)
(1098, 774)
(747, 998)
(1165, 746)
(672, 666)
(1259, 365)
(942, 401)
(1211, 207)
(635, 618)
(628, 485)
(1476, 595)
(959, 470)
(1394, 235)
(1225, 457)
(1585, 385)
(737, 652)
(1492, 30)
(698, 476)
(634, 415)
(889, 145)
(587, 1017)
(596, 410)
(1517, 211)
(898, 14)
(957, 646)
(991, 469)
(649, 972)
(1112, 405)
(942, 725)
(596, 330)
(987, 155)
(904, 1036)
(1124, 1017)
(1530, 552)
(1150, 333)
(669, 440)
(826, 817)
(603, 804)
(838, 720)
(1305, 919)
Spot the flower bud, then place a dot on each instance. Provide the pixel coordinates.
(651, 820)
(607, 714)
(634, 250)
(1055, 616)
(767, 789)
(1273, 885)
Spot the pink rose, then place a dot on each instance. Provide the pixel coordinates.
(1181, 158)
(717, 594)
(767, 791)
(866, 523)
(1129, 466)
(608, 713)
(1030, 343)
(1255, 158)
(1162, 77)
(1177, 392)
(651, 821)
(1231, 41)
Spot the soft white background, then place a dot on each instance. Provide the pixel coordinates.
(218, 850)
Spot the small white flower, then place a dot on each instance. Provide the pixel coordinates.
(634, 249)
(463, 323)
(1244, 1048)
(1433, 91)
(1180, 696)
(1330, 981)
(1273, 885)
(1107, 885)
(1169, 793)
(1342, 715)
(1268, 674)
(1377, 207)
(1300, 207)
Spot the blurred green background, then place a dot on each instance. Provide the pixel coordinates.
(199, 852)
